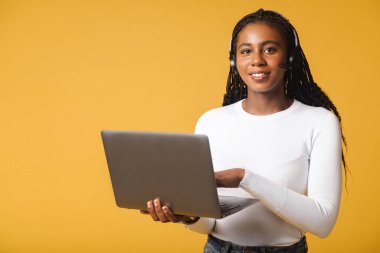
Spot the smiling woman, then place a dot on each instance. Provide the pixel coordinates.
(277, 138)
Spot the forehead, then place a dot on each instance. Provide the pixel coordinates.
(256, 33)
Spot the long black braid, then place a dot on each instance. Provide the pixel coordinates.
(299, 83)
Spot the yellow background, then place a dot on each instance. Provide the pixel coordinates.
(71, 68)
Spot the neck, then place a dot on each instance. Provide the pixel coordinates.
(259, 104)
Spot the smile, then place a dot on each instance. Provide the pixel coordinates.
(259, 75)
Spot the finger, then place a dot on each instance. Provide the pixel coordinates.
(151, 210)
(159, 212)
(219, 182)
(169, 215)
(218, 179)
(144, 212)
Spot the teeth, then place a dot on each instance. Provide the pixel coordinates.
(258, 74)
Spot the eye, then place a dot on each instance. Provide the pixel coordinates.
(270, 50)
(245, 51)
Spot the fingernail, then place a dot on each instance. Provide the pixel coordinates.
(149, 204)
(155, 202)
(165, 209)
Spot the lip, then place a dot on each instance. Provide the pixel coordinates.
(259, 75)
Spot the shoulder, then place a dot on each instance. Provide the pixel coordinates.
(215, 116)
(218, 112)
(317, 115)
(324, 124)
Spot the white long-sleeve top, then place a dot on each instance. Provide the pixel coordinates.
(292, 162)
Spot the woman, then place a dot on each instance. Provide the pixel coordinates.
(277, 138)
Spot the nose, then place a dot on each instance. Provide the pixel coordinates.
(258, 60)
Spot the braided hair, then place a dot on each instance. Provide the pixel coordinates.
(299, 83)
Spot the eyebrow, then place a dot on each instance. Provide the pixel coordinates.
(263, 43)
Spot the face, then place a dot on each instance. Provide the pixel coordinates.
(260, 50)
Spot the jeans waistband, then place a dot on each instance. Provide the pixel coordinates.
(225, 246)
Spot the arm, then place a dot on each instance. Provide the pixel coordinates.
(203, 225)
(317, 212)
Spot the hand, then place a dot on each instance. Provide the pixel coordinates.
(230, 178)
(164, 214)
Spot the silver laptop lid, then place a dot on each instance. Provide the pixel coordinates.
(177, 168)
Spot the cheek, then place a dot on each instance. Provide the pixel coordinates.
(242, 63)
(277, 60)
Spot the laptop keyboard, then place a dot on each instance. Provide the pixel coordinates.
(228, 209)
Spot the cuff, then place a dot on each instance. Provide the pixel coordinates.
(203, 225)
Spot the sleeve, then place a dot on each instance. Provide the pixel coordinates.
(317, 212)
(203, 225)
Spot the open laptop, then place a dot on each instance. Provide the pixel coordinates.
(177, 168)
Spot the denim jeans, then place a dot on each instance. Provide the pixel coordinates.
(215, 245)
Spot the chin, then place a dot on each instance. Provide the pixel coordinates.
(264, 90)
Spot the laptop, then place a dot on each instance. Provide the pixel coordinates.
(175, 167)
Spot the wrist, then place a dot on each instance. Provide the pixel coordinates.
(188, 220)
(241, 174)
